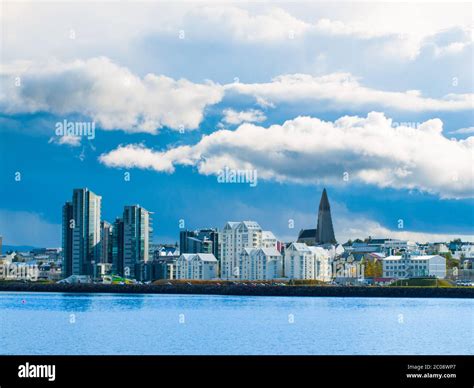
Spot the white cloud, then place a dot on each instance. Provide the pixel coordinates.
(337, 27)
(463, 131)
(343, 90)
(116, 98)
(70, 140)
(452, 48)
(110, 94)
(308, 150)
(240, 24)
(249, 116)
(138, 156)
(402, 27)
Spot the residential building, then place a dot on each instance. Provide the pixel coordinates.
(261, 264)
(440, 248)
(269, 240)
(307, 262)
(196, 266)
(409, 266)
(235, 237)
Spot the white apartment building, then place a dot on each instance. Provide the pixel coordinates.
(236, 236)
(268, 239)
(307, 262)
(408, 266)
(260, 264)
(196, 266)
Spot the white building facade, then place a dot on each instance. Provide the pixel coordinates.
(196, 266)
(236, 236)
(307, 263)
(260, 264)
(408, 266)
(268, 239)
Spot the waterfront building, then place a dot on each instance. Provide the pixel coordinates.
(236, 236)
(409, 266)
(81, 233)
(324, 232)
(269, 240)
(196, 266)
(261, 264)
(307, 262)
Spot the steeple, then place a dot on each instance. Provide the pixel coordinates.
(324, 228)
(324, 203)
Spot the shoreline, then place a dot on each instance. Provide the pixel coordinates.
(239, 290)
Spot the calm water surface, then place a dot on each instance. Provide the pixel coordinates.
(55, 323)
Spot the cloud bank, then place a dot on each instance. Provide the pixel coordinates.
(116, 98)
(109, 94)
(307, 150)
(343, 91)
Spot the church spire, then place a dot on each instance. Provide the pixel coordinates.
(324, 203)
(324, 228)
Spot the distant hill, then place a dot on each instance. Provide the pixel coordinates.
(16, 248)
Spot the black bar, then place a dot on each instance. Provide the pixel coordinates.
(243, 371)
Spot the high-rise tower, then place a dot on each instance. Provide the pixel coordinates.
(81, 233)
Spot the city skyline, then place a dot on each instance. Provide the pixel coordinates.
(322, 212)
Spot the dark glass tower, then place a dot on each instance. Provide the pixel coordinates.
(67, 238)
(324, 228)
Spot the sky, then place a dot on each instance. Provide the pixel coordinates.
(373, 101)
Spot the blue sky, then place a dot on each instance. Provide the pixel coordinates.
(304, 94)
